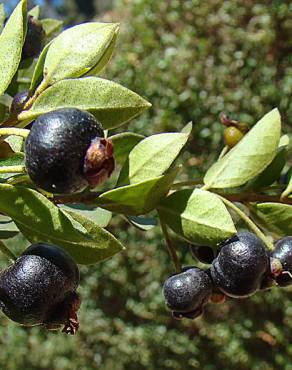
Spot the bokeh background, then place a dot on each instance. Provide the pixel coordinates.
(192, 59)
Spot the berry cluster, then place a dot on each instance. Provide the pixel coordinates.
(240, 268)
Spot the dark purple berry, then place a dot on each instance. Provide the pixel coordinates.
(40, 289)
(34, 38)
(187, 292)
(241, 265)
(18, 102)
(65, 152)
(281, 258)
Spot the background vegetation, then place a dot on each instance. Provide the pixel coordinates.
(192, 59)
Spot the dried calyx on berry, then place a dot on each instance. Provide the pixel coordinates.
(74, 148)
(40, 289)
(241, 266)
(281, 261)
(186, 293)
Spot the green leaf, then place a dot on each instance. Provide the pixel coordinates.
(40, 220)
(198, 216)
(77, 50)
(277, 217)
(123, 144)
(8, 229)
(17, 159)
(15, 142)
(38, 70)
(22, 79)
(142, 223)
(249, 157)
(100, 216)
(52, 27)
(2, 16)
(187, 129)
(111, 103)
(139, 198)
(273, 172)
(95, 71)
(152, 157)
(35, 12)
(11, 42)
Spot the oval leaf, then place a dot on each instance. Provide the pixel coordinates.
(139, 198)
(11, 42)
(249, 157)
(123, 144)
(277, 217)
(77, 50)
(111, 103)
(152, 157)
(52, 27)
(40, 220)
(198, 216)
(2, 16)
(100, 216)
(38, 70)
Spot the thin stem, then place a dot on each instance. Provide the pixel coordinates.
(7, 251)
(10, 122)
(18, 179)
(249, 222)
(14, 131)
(170, 247)
(12, 169)
(253, 197)
(181, 184)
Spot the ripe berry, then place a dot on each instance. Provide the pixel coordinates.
(65, 152)
(241, 265)
(186, 293)
(40, 289)
(18, 102)
(34, 38)
(283, 254)
(203, 254)
(232, 136)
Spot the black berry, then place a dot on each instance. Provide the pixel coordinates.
(282, 257)
(186, 293)
(34, 38)
(241, 265)
(40, 289)
(66, 152)
(203, 254)
(18, 102)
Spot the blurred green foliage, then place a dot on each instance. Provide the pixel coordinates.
(192, 60)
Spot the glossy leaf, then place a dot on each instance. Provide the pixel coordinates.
(277, 217)
(38, 70)
(273, 171)
(100, 216)
(52, 27)
(95, 71)
(142, 223)
(16, 159)
(11, 42)
(139, 198)
(8, 229)
(111, 103)
(77, 50)
(123, 144)
(249, 157)
(35, 12)
(40, 220)
(198, 216)
(152, 157)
